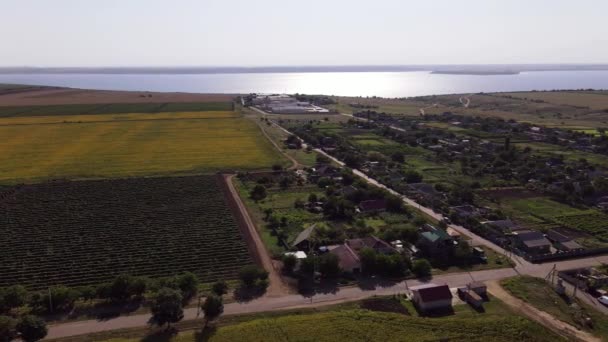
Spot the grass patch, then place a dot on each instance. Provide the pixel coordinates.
(539, 294)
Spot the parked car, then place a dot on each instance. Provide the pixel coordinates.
(603, 300)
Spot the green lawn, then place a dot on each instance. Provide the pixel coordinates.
(539, 294)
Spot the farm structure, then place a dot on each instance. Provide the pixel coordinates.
(88, 232)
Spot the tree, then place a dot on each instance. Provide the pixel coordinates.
(220, 288)
(138, 286)
(86, 292)
(167, 307)
(398, 157)
(212, 307)
(421, 268)
(368, 260)
(188, 284)
(321, 159)
(289, 263)
(32, 328)
(413, 177)
(249, 275)
(62, 298)
(258, 193)
(329, 265)
(119, 289)
(312, 198)
(14, 296)
(7, 328)
(463, 251)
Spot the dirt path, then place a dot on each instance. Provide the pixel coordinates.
(465, 101)
(276, 288)
(422, 110)
(539, 316)
(295, 165)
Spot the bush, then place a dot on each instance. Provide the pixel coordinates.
(421, 268)
(32, 328)
(258, 193)
(7, 328)
(220, 288)
(249, 275)
(13, 297)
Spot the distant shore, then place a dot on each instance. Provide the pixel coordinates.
(479, 73)
(491, 69)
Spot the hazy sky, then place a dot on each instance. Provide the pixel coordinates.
(310, 32)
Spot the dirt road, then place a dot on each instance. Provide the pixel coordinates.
(291, 301)
(276, 288)
(539, 316)
(295, 165)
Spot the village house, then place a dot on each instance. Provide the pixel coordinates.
(348, 252)
(378, 245)
(373, 206)
(303, 241)
(466, 211)
(348, 260)
(431, 297)
(532, 242)
(562, 242)
(435, 242)
(424, 190)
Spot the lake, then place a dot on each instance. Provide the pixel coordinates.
(384, 84)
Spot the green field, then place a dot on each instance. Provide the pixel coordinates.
(598, 101)
(114, 108)
(113, 145)
(539, 294)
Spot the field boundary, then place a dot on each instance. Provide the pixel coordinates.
(252, 238)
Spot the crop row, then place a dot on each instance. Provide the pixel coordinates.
(87, 232)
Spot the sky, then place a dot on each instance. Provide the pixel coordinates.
(98, 33)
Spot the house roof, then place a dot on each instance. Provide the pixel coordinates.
(423, 187)
(435, 234)
(369, 242)
(371, 205)
(571, 245)
(502, 224)
(348, 259)
(298, 254)
(432, 292)
(304, 235)
(557, 236)
(532, 238)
